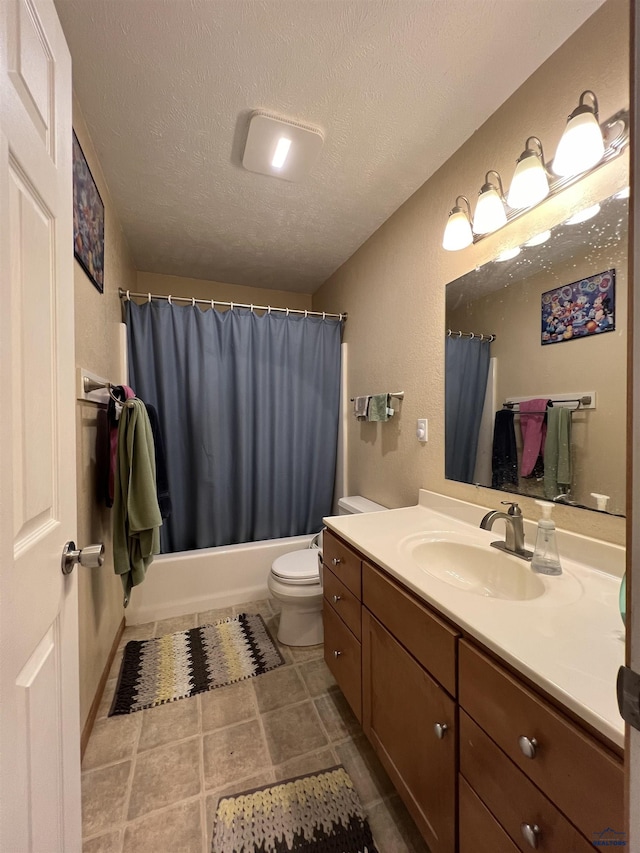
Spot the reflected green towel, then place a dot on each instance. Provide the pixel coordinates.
(557, 452)
(378, 405)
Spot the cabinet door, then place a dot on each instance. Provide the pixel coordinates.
(342, 656)
(402, 705)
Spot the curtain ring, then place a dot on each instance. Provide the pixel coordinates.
(169, 299)
(448, 333)
(128, 296)
(472, 335)
(306, 313)
(231, 306)
(459, 335)
(287, 312)
(193, 302)
(268, 309)
(324, 315)
(212, 305)
(148, 297)
(251, 307)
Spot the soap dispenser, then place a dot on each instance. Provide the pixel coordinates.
(546, 560)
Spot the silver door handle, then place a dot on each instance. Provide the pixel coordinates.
(92, 557)
(528, 746)
(531, 834)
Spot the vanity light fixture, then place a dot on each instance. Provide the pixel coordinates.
(508, 254)
(529, 184)
(490, 213)
(539, 239)
(583, 215)
(584, 147)
(458, 234)
(624, 193)
(581, 145)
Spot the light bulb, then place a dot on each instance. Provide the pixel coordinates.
(529, 184)
(581, 145)
(489, 213)
(457, 234)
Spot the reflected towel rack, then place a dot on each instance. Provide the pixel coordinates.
(582, 403)
(399, 395)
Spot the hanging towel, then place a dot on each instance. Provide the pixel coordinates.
(533, 428)
(122, 392)
(361, 407)
(136, 514)
(162, 479)
(103, 459)
(557, 452)
(379, 407)
(504, 458)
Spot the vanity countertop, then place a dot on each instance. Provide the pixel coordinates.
(569, 641)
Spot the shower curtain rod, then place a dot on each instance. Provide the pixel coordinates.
(128, 294)
(491, 338)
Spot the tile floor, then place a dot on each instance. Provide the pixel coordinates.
(151, 780)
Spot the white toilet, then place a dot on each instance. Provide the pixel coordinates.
(295, 581)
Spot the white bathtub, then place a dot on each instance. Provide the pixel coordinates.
(192, 581)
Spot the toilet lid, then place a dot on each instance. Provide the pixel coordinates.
(298, 566)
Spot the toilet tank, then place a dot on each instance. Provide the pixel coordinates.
(356, 503)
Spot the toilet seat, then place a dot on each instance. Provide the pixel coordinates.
(297, 568)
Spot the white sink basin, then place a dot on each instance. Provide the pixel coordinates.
(478, 569)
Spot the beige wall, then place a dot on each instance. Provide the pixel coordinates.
(151, 282)
(97, 317)
(525, 368)
(393, 286)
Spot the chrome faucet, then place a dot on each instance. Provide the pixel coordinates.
(514, 534)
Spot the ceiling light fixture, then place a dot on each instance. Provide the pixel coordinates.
(458, 234)
(583, 215)
(280, 148)
(539, 239)
(529, 184)
(581, 145)
(490, 213)
(579, 153)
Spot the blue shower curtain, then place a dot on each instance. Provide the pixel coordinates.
(249, 407)
(466, 372)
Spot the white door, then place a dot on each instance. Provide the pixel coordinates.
(39, 716)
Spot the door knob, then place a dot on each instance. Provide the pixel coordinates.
(92, 557)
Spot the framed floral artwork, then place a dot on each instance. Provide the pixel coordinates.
(88, 219)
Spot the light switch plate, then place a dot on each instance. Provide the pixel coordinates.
(422, 430)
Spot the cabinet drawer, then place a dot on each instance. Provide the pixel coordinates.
(342, 656)
(343, 562)
(430, 640)
(512, 798)
(573, 770)
(343, 601)
(479, 831)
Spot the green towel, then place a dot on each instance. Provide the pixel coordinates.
(136, 515)
(378, 405)
(557, 452)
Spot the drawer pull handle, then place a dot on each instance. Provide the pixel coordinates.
(531, 834)
(337, 654)
(337, 598)
(528, 746)
(440, 729)
(336, 561)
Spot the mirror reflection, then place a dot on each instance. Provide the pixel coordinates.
(536, 365)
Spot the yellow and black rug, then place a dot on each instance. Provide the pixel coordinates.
(317, 813)
(188, 662)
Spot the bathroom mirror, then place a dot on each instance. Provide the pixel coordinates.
(558, 311)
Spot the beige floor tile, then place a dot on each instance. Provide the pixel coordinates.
(336, 715)
(275, 605)
(292, 731)
(176, 830)
(317, 676)
(368, 775)
(226, 706)
(176, 623)
(393, 829)
(281, 687)
(237, 752)
(211, 801)
(300, 654)
(137, 632)
(107, 698)
(109, 843)
(261, 607)
(311, 763)
(165, 776)
(104, 796)
(272, 627)
(166, 723)
(112, 740)
(208, 617)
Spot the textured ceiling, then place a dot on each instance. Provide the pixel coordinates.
(396, 86)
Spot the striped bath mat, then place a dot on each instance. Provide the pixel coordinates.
(188, 662)
(318, 813)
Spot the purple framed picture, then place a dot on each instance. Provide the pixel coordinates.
(580, 309)
(88, 219)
